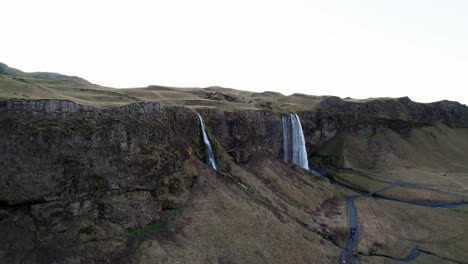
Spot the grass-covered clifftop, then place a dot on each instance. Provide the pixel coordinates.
(17, 84)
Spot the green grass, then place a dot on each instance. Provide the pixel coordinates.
(361, 182)
(174, 212)
(154, 227)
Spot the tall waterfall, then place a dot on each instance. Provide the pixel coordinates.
(299, 148)
(286, 137)
(210, 159)
(299, 152)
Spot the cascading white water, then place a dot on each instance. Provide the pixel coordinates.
(298, 147)
(210, 159)
(286, 136)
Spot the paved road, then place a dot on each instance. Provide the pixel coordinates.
(384, 189)
(347, 255)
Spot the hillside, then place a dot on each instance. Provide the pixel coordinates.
(93, 174)
(17, 84)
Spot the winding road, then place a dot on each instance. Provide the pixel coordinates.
(348, 255)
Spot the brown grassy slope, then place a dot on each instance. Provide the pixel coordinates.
(435, 156)
(393, 229)
(42, 85)
(37, 88)
(45, 85)
(212, 97)
(223, 223)
(225, 98)
(373, 182)
(421, 259)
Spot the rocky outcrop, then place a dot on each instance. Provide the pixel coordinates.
(242, 132)
(53, 107)
(107, 169)
(75, 157)
(47, 106)
(141, 107)
(403, 109)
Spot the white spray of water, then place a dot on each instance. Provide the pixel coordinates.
(210, 159)
(298, 147)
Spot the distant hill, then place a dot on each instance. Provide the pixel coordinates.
(15, 83)
(6, 70)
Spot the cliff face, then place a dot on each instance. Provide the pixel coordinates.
(61, 161)
(245, 131)
(403, 109)
(50, 146)
(73, 174)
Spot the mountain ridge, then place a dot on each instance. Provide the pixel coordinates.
(244, 96)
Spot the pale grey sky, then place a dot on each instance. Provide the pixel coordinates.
(360, 48)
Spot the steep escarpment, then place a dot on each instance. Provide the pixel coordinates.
(447, 112)
(81, 183)
(338, 123)
(65, 139)
(127, 184)
(72, 174)
(241, 132)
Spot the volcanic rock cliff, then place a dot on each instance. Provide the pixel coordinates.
(73, 175)
(45, 140)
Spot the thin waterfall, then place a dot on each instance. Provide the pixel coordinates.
(298, 143)
(286, 137)
(210, 159)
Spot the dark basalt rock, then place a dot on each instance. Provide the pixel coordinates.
(54, 107)
(242, 132)
(447, 112)
(82, 174)
(60, 160)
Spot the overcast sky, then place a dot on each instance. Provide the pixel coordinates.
(356, 48)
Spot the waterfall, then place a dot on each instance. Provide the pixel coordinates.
(299, 152)
(286, 136)
(210, 159)
(298, 146)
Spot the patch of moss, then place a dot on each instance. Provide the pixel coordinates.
(136, 232)
(89, 230)
(152, 228)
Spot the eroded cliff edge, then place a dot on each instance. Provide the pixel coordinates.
(73, 174)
